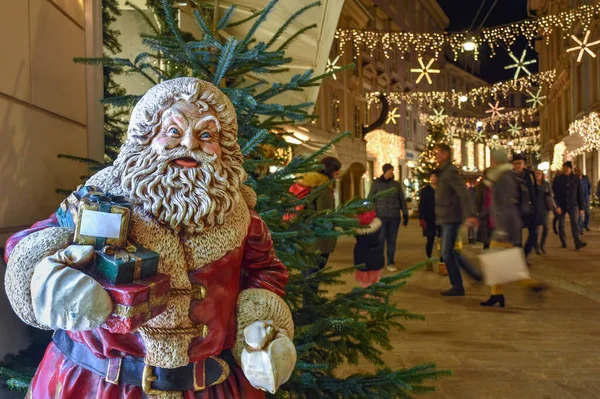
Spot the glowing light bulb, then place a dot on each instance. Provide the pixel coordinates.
(495, 137)
(479, 124)
(463, 99)
(469, 45)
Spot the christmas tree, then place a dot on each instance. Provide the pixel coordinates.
(427, 163)
(330, 331)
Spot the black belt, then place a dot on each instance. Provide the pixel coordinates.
(152, 380)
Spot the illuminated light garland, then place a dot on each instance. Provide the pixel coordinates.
(488, 156)
(481, 156)
(470, 155)
(520, 64)
(425, 70)
(530, 143)
(478, 95)
(385, 147)
(588, 128)
(583, 46)
(465, 128)
(559, 156)
(423, 43)
(457, 150)
(470, 124)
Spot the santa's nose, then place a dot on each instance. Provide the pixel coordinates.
(190, 142)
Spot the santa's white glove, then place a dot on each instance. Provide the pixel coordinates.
(269, 357)
(65, 298)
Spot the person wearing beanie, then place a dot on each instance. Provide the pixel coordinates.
(388, 209)
(453, 207)
(368, 251)
(506, 215)
(568, 196)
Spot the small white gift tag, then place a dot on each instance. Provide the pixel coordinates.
(100, 224)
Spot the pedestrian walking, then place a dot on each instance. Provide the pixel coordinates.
(307, 182)
(453, 206)
(506, 214)
(586, 190)
(427, 214)
(568, 196)
(545, 204)
(530, 213)
(368, 251)
(483, 204)
(389, 209)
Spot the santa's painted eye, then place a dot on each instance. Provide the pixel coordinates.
(206, 135)
(173, 131)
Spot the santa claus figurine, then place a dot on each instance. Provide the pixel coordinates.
(226, 332)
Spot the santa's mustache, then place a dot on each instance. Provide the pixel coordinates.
(167, 156)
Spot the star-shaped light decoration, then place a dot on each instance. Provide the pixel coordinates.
(332, 66)
(514, 129)
(425, 70)
(439, 115)
(536, 99)
(583, 46)
(452, 134)
(392, 115)
(494, 109)
(520, 64)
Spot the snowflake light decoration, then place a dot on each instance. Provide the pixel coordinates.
(536, 99)
(332, 66)
(514, 129)
(494, 109)
(583, 46)
(520, 64)
(392, 115)
(439, 115)
(425, 70)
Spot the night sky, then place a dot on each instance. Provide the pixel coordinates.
(461, 14)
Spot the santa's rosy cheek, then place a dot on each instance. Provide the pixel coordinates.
(212, 148)
(164, 142)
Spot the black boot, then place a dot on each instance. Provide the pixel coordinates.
(494, 299)
(580, 244)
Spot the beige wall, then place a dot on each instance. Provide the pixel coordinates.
(42, 107)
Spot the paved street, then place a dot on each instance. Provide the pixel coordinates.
(530, 349)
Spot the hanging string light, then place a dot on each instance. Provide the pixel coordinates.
(470, 125)
(385, 147)
(481, 156)
(457, 150)
(588, 128)
(478, 95)
(470, 146)
(423, 43)
(559, 156)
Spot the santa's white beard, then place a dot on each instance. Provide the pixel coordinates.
(188, 199)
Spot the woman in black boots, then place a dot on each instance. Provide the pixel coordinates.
(427, 214)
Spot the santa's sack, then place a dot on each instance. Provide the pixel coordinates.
(504, 266)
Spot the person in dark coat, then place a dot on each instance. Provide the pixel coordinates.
(368, 251)
(532, 217)
(388, 209)
(427, 214)
(483, 204)
(569, 201)
(453, 207)
(586, 189)
(545, 203)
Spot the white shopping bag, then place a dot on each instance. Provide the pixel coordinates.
(504, 266)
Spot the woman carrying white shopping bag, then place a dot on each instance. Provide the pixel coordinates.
(505, 262)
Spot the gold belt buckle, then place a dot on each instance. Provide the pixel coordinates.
(148, 378)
